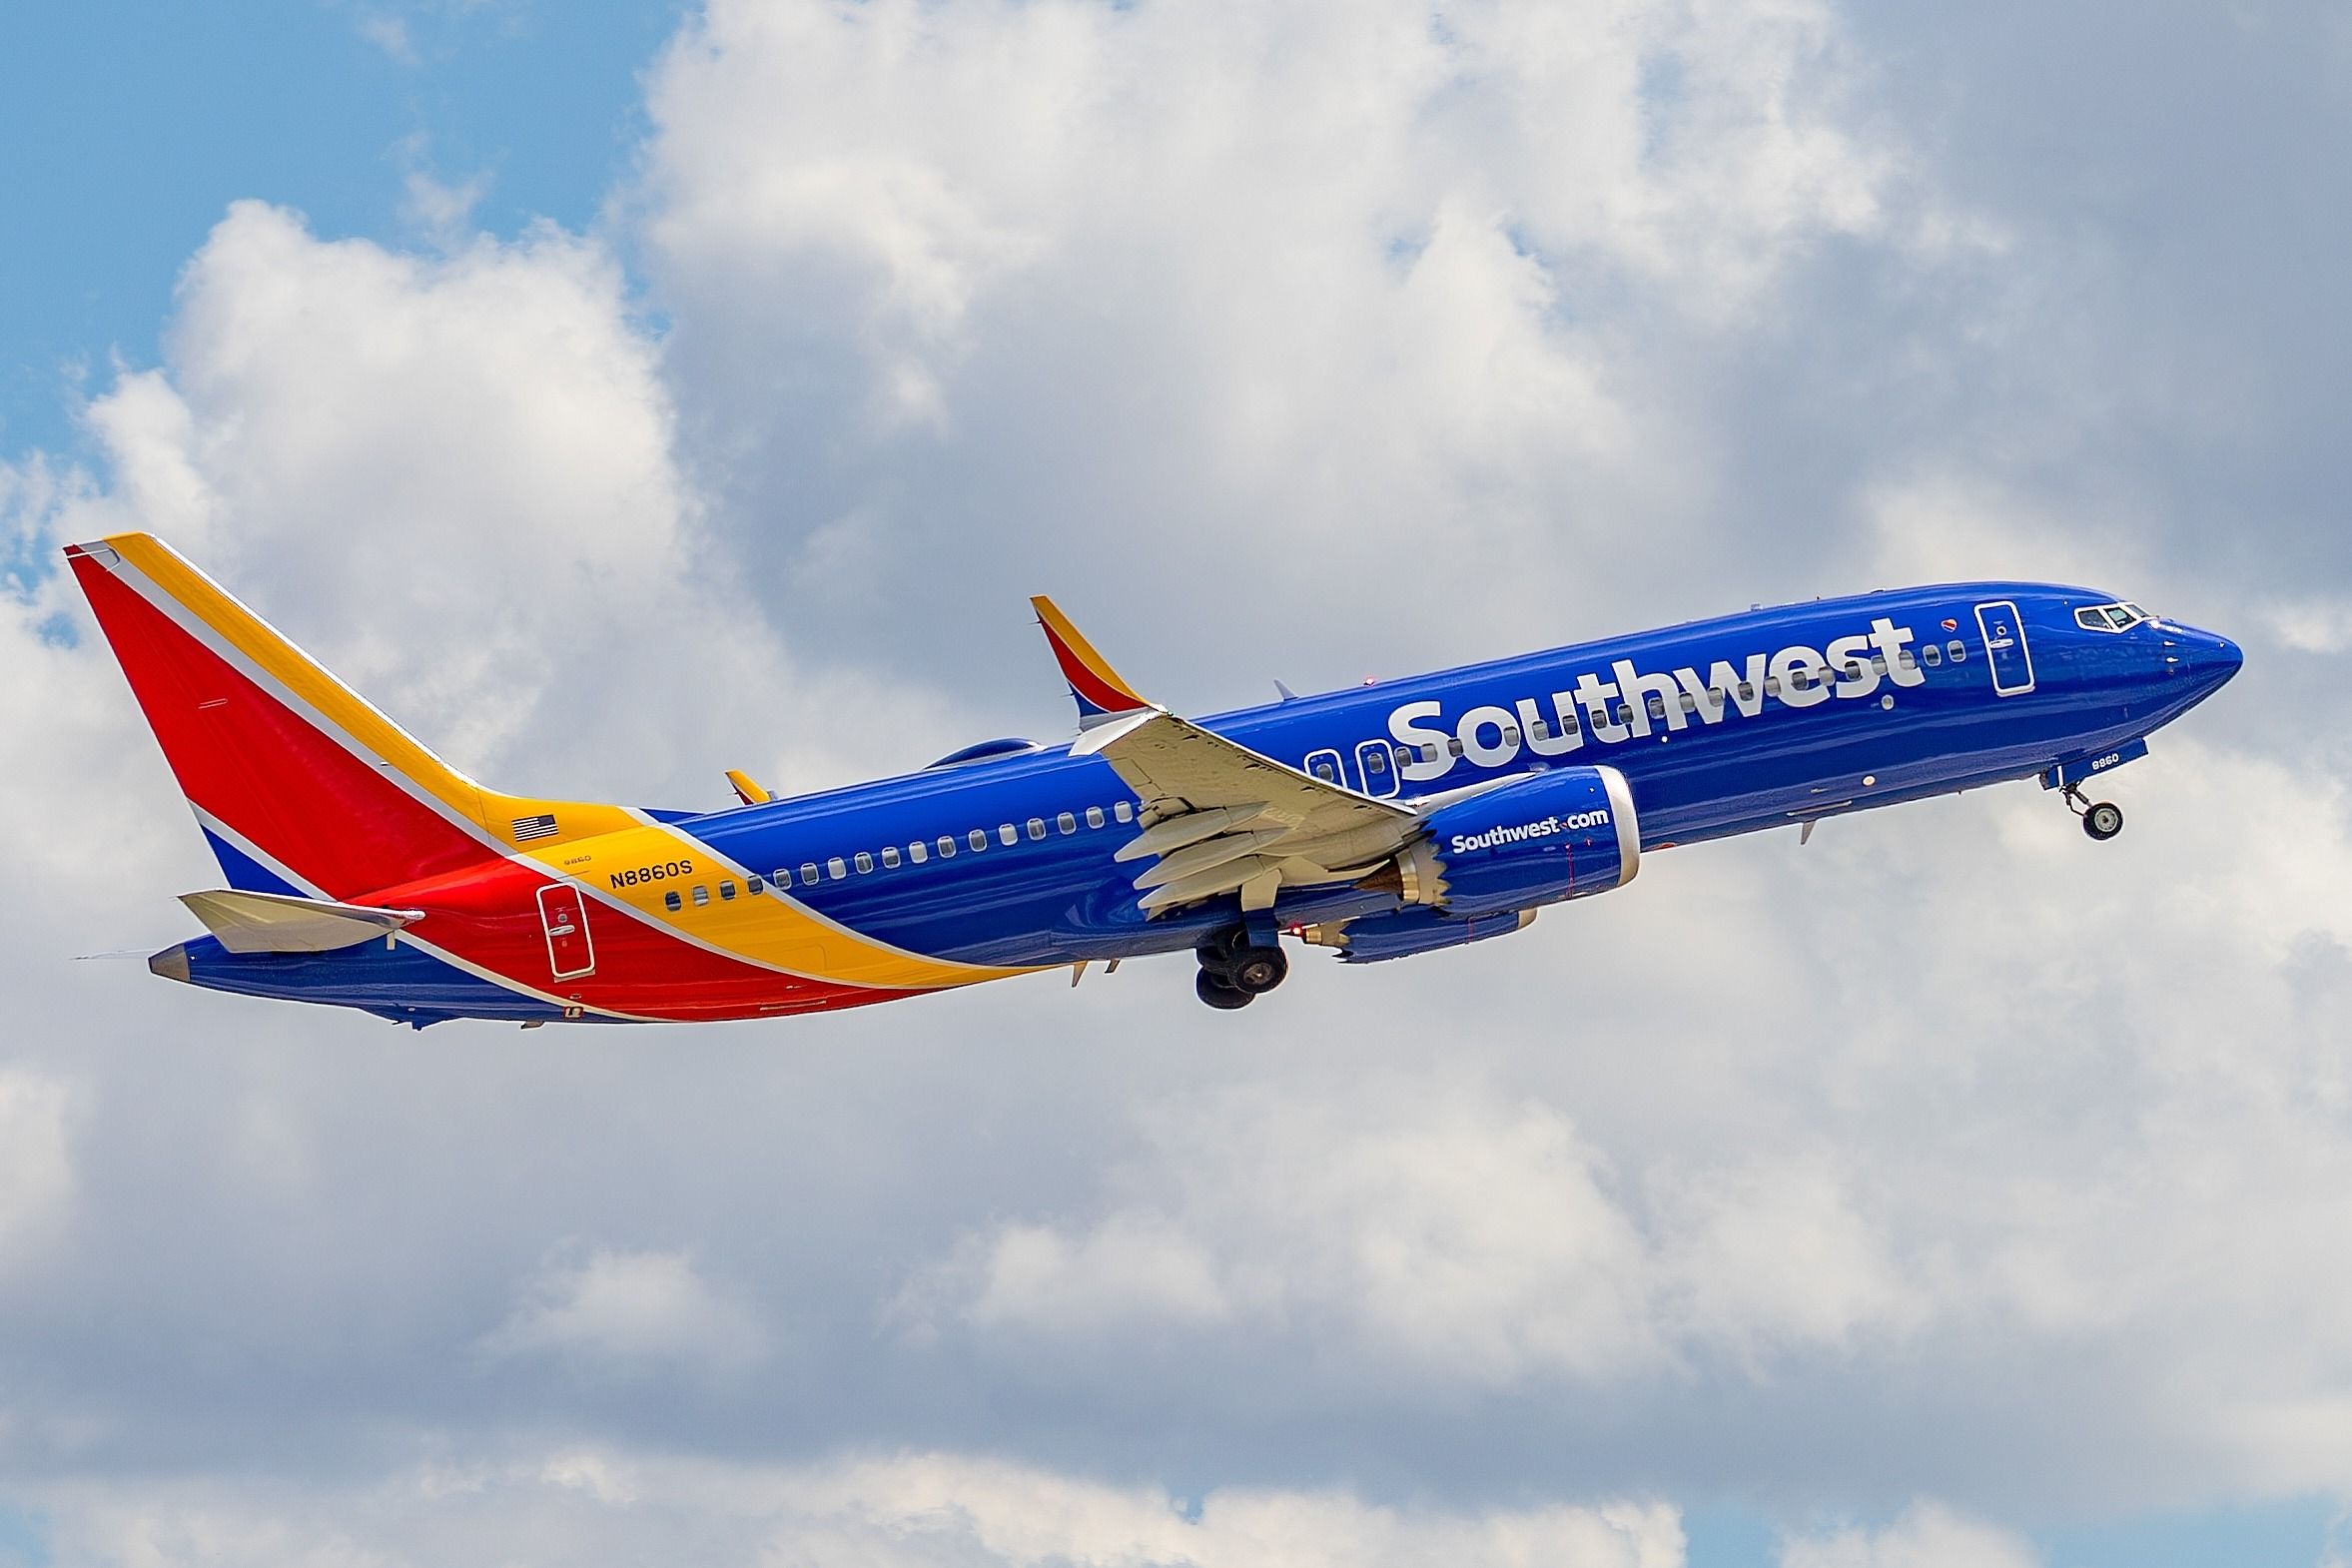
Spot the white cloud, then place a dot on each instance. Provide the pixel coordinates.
(1927, 1535)
(2314, 625)
(1423, 1225)
(617, 1310)
(911, 1510)
(1293, 291)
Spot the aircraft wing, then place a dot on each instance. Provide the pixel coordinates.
(1221, 818)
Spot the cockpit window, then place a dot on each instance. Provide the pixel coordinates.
(2110, 617)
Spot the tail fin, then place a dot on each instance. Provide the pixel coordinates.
(300, 785)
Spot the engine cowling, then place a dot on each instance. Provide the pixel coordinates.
(1568, 833)
(1374, 938)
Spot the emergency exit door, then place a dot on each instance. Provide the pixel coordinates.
(563, 913)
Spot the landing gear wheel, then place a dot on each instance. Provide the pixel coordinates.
(2102, 820)
(1219, 995)
(1257, 970)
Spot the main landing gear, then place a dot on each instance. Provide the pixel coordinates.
(2101, 819)
(1235, 969)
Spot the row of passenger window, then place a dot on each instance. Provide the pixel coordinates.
(838, 867)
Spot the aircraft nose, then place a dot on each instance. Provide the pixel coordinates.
(2206, 658)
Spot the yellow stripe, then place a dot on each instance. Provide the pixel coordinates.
(1058, 627)
(768, 929)
(298, 673)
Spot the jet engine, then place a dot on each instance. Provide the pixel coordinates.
(1567, 833)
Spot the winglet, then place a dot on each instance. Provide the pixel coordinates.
(1093, 684)
(747, 789)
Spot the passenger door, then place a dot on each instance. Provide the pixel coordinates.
(2004, 647)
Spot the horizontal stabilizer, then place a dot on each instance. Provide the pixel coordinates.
(281, 923)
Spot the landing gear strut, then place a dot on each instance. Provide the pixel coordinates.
(1236, 970)
(2101, 819)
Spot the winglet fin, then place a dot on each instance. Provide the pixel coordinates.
(1094, 685)
(747, 789)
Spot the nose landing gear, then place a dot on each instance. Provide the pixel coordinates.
(2101, 819)
(1236, 970)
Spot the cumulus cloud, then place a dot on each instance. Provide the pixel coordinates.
(1927, 1535)
(1429, 1226)
(624, 1311)
(1293, 291)
(910, 1510)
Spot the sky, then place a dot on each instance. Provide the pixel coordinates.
(618, 396)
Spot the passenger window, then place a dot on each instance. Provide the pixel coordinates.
(978, 839)
(1747, 692)
(1657, 706)
(1957, 650)
(890, 857)
(837, 868)
(1323, 771)
(1377, 761)
(752, 884)
(1932, 654)
(1066, 822)
(1094, 816)
(947, 847)
(1037, 828)
(1123, 811)
(1510, 734)
(701, 895)
(808, 873)
(1772, 683)
(865, 863)
(1690, 704)
(918, 852)
(1008, 834)
(1909, 662)
(671, 902)
(726, 891)
(1454, 746)
(1536, 728)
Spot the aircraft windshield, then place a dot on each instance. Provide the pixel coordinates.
(2110, 617)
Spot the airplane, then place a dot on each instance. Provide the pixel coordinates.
(1381, 821)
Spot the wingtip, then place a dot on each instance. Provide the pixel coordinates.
(1097, 687)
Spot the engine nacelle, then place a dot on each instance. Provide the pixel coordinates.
(1373, 939)
(1568, 833)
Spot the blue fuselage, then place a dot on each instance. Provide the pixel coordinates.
(1722, 726)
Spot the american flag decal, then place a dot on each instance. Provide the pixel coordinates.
(538, 827)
